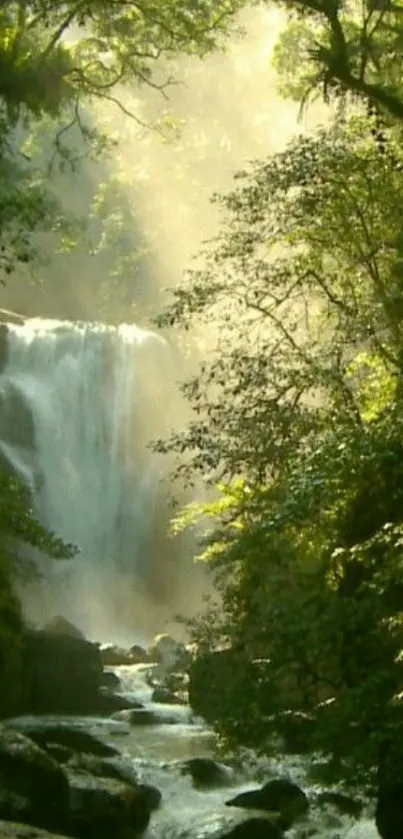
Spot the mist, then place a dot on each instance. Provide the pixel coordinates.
(150, 199)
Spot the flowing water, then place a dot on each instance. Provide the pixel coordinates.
(85, 400)
(157, 752)
(79, 402)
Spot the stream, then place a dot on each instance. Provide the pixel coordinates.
(156, 752)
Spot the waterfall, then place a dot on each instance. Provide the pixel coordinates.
(79, 404)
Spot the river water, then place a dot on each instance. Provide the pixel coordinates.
(186, 813)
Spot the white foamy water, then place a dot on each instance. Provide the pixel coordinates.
(94, 395)
(186, 813)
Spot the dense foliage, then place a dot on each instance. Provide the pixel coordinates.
(59, 59)
(298, 424)
(344, 48)
(19, 529)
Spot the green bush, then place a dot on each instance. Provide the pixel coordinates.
(11, 645)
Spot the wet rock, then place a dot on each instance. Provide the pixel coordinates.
(112, 656)
(14, 830)
(47, 733)
(153, 795)
(63, 674)
(110, 680)
(105, 808)
(110, 702)
(118, 769)
(206, 773)
(341, 802)
(139, 655)
(137, 716)
(165, 696)
(113, 767)
(256, 828)
(278, 796)
(33, 787)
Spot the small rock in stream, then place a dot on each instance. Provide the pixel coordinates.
(277, 796)
(206, 773)
(110, 680)
(110, 702)
(166, 697)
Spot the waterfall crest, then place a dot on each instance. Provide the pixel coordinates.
(90, 397)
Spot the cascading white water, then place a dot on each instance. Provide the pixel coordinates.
(95, 395)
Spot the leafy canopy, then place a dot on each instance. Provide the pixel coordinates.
(297, 418)
(344, 49)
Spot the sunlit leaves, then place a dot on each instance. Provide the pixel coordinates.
(345, 49)
(300, 401)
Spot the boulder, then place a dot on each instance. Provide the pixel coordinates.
(33, 787)
(109, 702)
(64, 674)
(152, 795)
(112, 767)
(137, 716)
(103, 808)
(277, 796)
(61, 626)
(71, 736)
(118, 769)
(110, 680)
(206, 773)
(256, 828)
(165, 696)
(13, 830)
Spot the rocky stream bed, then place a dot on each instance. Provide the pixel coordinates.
(149, 770)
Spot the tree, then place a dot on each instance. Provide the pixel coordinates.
(56, 60)
(297, 418)
(55, 54)
(18, 528)
(346, 49)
